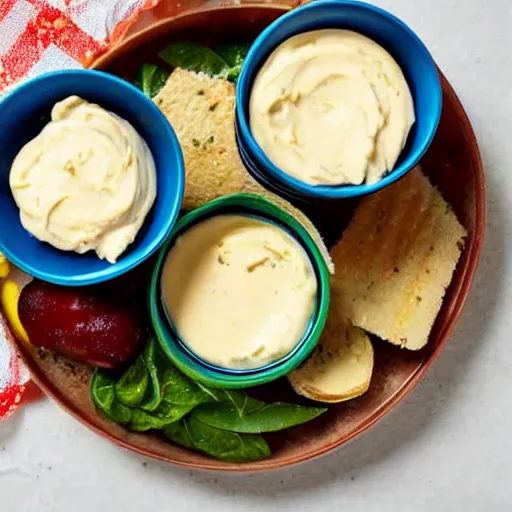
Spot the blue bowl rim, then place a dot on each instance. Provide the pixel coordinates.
(136, 258)
(252, 148)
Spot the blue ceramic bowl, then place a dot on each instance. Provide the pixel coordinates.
(404, 45)
(24, 112)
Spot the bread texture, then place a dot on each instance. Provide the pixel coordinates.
(341, 365)
(201, 111)
(396, 259)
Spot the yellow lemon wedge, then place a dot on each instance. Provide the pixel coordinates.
(9, 297)
(5, 266)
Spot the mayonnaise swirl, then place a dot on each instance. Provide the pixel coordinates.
(86, 182)
(331, 107)
(239, 291)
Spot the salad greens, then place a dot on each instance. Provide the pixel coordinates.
(234, 53)
(267, 418)
(152, 394)
(104, 396)
(223, 60)
(194, 57)
(131, 387)
(150, 78)
(221, 444)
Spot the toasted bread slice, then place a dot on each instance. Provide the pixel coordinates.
(202, 112)
(341, 365)
(396, 259)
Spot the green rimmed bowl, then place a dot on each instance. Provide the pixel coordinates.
(191, 364)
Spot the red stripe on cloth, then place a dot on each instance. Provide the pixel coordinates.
(68, 36)
(22, 55)
(49, 26)
(5, 7)
(13, 392)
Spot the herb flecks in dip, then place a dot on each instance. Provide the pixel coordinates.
(331, 107)
(239, 291)
(86, 182)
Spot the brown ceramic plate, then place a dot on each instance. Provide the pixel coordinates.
(453, 164)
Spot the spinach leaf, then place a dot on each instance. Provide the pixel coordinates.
(171, 408)
(178, 389)
(120, 413)
(221, 444)
(155, 367)
(234, 53)
(194, 57)
(178, 432)
(154, 395)
(215, 394)
(170, 396)
(165, 415)
(150, 78)
(131, 387)
(104, 397)
(270, 418)
(168, 384)
(233, 73)
(103, 390)
(234, 398)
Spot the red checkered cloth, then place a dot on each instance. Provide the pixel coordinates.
(40, 35)
(37, 36)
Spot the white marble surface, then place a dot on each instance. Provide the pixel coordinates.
(446, 448)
